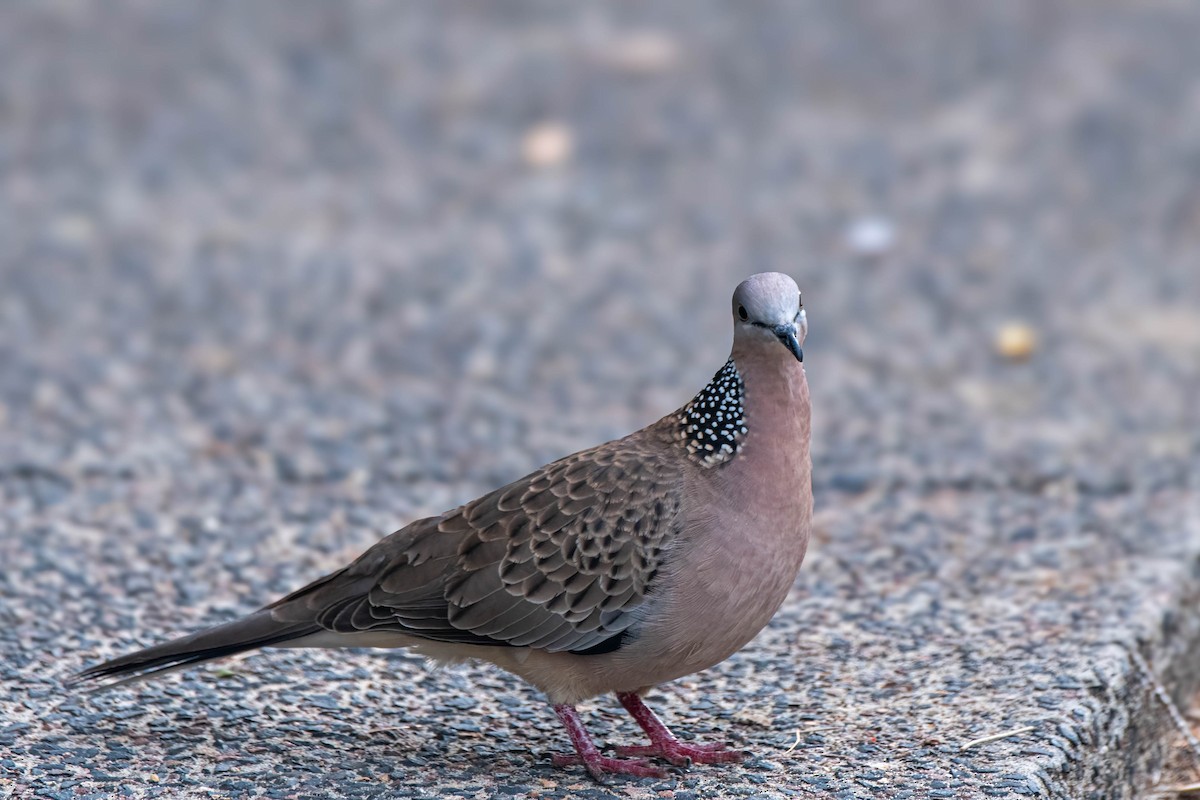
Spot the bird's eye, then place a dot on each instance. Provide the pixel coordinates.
(742, 313)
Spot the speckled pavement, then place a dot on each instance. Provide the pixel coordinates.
(277, 278)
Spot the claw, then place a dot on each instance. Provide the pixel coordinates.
(587, 754)
(663, 743)
(682, 754)
(635, 760)
(601, 767)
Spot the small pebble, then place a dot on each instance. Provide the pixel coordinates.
(549, 144)
(1015, 341)
(642, 52)
(871, 236)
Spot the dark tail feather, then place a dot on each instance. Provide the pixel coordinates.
(249, 633)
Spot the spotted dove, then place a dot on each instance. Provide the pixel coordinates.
(611, 570)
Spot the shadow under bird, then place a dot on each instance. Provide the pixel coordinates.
(611, 570)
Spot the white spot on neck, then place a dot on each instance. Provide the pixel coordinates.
(712, 425)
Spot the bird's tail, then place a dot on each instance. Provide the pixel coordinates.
(259, 629)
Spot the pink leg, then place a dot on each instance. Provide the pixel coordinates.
(589, 755)
(663, 743)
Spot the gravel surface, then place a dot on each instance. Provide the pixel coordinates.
(277, 278)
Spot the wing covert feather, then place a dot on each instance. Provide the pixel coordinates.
(561, 559)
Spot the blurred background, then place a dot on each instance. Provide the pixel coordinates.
(276, 278)
(481, 217)
(481, 214)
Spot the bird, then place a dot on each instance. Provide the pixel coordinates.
(613, 570)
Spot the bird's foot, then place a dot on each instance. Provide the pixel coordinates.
(663, 743)
(682, 754)
(602, 766)
(587, 754)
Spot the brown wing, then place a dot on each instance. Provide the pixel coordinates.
(559, 560)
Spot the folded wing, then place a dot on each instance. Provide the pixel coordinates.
(561, 560)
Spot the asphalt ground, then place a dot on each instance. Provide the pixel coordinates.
(277, 278)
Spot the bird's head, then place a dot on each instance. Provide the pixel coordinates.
(767, 310)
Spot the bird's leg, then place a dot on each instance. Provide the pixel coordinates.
(663, 743)
(589, 755)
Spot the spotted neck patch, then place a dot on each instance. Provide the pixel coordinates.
(712, 425)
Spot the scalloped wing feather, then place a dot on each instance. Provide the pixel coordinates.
(562, 559)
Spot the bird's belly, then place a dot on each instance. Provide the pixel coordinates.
(726, 618)
(714, 611)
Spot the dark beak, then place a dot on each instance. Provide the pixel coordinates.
(787, 335)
